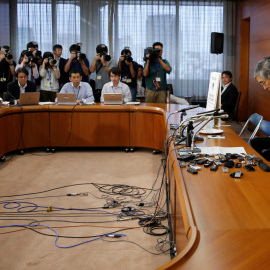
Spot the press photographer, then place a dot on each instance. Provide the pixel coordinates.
(26, 61)
(101, 64)
(155, 70)
(49, 74)
(129, 70)
(78, 61)
(7, 68)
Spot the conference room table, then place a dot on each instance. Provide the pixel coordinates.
(226, 221)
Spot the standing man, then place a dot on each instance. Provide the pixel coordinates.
(101, 64)
(76, 62)
(155, 70)
(7, 70)
(115, 86)
(129, 70)
(229, 93)
(60, 63)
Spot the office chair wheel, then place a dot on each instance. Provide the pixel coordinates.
(155, 152)
(126, 149)
(53, 150)
(47, 149)
(132, 149)
(3, 159)
(20, 152)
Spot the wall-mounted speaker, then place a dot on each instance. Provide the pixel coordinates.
(217, 40)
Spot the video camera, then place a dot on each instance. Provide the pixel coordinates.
(101, 49)
(153, 54)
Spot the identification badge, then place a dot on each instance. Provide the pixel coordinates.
(47, 84)
(158, 79)
(3, 79)
(98, 77)
(128, 80)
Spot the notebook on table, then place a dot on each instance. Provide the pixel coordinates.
(31, 98)
(66, 98)
(113, 98)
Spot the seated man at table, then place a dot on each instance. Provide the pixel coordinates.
(115, 86)
(82, 90)
(20, 85)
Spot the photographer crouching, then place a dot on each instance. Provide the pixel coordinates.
(155, 70)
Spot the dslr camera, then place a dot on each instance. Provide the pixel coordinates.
(8, 55)
(35, 52)
(127, 57)
(153, 54)
(101, 50)
(79, 54)
(52, 60)
(30, 57)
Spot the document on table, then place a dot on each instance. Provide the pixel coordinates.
(211, 151)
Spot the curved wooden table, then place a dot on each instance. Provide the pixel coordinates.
(226, 222)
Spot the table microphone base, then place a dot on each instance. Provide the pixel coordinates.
(189, 150)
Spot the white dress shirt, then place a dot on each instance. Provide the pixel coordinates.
(121, 88)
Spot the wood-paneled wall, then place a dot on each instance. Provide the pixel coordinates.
(252, 44)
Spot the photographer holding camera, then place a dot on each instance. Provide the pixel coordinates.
(155, 70)
(78, 61)
(7, 69)
(49, 74)
(26, 61)
(129, 70)
(102, 64)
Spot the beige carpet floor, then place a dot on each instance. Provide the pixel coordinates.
(31, 173)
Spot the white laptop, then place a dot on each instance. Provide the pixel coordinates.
(66, 98)
(113, 98)
(30, 98)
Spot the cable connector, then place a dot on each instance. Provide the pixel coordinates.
(122, 219)
(73, 194)
(49, 209)
(140, 204)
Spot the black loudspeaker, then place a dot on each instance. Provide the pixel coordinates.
(217, 42)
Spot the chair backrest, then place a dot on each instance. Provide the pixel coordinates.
(170, 87)
(265, 127)
(4, 96)
(256, 120)
(234, 116)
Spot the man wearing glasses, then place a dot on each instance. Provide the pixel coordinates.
(262, 73)
(115, 86)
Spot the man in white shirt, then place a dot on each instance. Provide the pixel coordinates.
(115, 86)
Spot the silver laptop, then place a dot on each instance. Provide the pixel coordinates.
(66, 99)
(31, 98)
(113, 98)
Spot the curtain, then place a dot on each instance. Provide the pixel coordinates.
(184, 28)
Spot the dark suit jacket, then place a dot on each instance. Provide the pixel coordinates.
(229, 98)
(13, 90)
(63, 75)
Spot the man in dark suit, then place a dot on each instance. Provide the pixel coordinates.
(229, 93)
(20, 85)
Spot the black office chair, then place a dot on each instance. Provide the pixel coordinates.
(234, 116)
(262, 144)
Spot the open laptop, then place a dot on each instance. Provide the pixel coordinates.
(30, 98)
(113, 98)
(66, 99)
